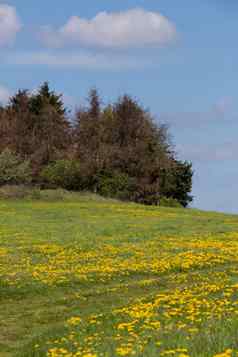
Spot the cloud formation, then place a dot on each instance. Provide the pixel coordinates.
(9, 24)
(133, 28)
(82, 59)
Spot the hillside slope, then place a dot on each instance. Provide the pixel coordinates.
(100, 278)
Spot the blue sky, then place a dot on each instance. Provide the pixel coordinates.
(179, 58)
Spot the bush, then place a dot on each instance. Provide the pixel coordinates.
(169, 202)
(62, 173)
(114, 185)
(13, 169)
(146, 193)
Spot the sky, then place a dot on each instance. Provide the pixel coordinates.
(178, 58)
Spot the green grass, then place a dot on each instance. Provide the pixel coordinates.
(85, 276)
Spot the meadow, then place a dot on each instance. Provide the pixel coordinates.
(92, 277)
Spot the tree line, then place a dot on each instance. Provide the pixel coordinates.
(118, 150)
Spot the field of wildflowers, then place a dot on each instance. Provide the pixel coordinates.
(101, 278)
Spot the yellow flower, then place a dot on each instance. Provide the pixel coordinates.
(74, 321)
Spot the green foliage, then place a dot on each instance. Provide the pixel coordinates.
(114, 184)
(13, 169)
(62, 173)
(123, 152)
(46, 96)
(176, 182)
(183, 183)
(169, 202)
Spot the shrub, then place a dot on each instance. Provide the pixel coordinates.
(169, 202)
(62, 173)
(146, 193)
(114, 184)
(13, 169)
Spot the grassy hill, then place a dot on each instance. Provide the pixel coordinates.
(90, 277)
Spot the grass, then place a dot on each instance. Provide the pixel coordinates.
(84, 276)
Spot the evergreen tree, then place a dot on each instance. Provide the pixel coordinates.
(21, 123)
(120, 148)
(94, 109)
(44, 97)
(176, 182)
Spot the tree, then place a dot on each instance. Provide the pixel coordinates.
(176, 182)
(37, 126)
(51, 130)
(45, 96)
(20, 123)
(143, 148)
(94, 110)
(51, 136)
(88, 137)
(123, 151)
(5, 130)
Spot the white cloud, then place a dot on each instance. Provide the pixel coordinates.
(9, 24)
(133, 28)
(85, 60)
(4, 95)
